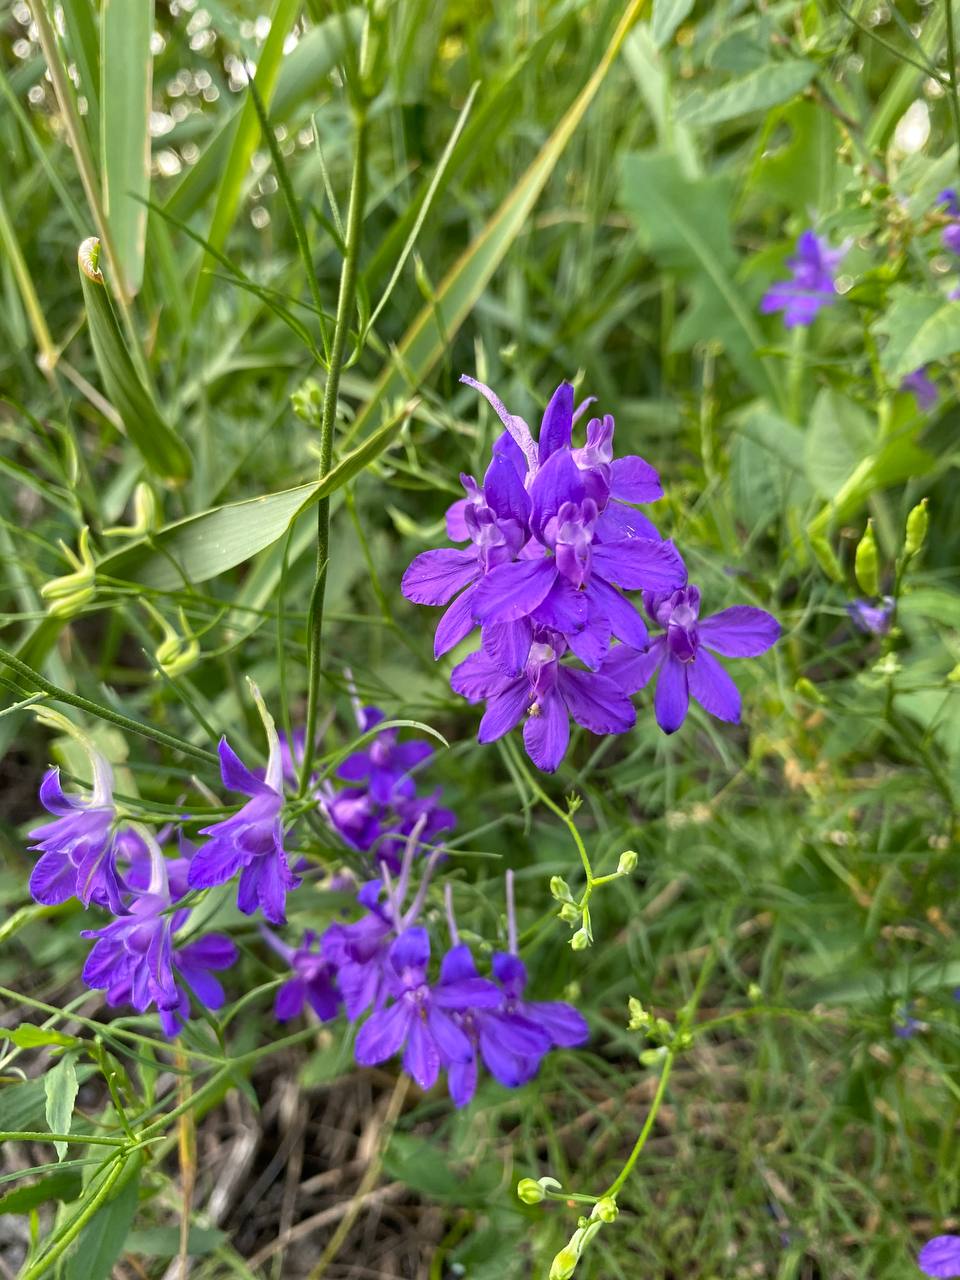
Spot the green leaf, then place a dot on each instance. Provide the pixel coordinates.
(162, 451)
(22, 1106)
(164, 1242)
(759, 91)
(919, 328)
(684, 223)
(421, 1165)
(63, 1184)
(101, 1241)
(434, 328)
(61, 1087)
(667, 16)
(126, 96)
(201, 546)
(841, 435)
(31, 1037)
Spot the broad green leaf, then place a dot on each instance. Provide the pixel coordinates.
(804, 171)
(684, 223)
(919, 328)
(162, 451)
(840, 436)
(62, 1184)
(31, 1037)
(434, 328)
(201, 546)
(61, 1087)
(667, 16)
(759, 91)
(80, 33)
(126, 94)
(164, 1242)
(101, 1241)
(774, 433)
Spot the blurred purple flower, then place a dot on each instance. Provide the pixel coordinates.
(940, 1257)
(905, 1025)
(313, 981)
(358, 951)
(923, 388)
(682, 658)
(813, 268)
(547, 693)
(419, 1020)
(251, 841)
(947, 199)
(384, 765)
(874, 619)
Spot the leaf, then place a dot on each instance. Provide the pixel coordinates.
(804, 170)
(201, 546)
(164, 1242)
(421, 1165)
(160, 448)
(758, 91)
(774, 433)
(919, 328)
(667, 16)
(62, 1184)
(61, 1086)
(101, 1241)
(841, 435)
(684, 223)
(438, 322)
(22, 1105)
(31, 1037)
(126, 94)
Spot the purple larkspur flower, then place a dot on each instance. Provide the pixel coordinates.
(548, 694)
(420, 1019)
(358, 952)
(513, 1037)
(313, 981)
(940, 1258)
(78, 850)
(872, 618)
(574, 589)
(947, 199)
(682, 658)
(251, 841)
(384, 766)
(813, 269)
(922, 387)
(423, 814)
(905, 1025)
(134, 959)
(355, 816)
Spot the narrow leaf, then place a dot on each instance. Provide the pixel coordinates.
(61, 1087)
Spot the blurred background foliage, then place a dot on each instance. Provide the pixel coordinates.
(810, 852)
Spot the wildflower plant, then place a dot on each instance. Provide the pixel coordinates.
(479, 640)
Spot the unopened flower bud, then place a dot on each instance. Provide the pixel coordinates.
(560, 889)
(650, 1057)
(69, 593)
(606, 1209)
(628, 862)
(176, 652)
(639, 1018)
(807, 689)
(917, 523)
(307, 401)
(146, 515)
(754, 992)
(564, 1264)
(826, 557)
(569, 913)
(530, 1191)
(580, 940)
(866, 564)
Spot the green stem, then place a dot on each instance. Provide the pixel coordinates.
(641, 1141)
(565, 818)
(345, 306)
(74, 1228)
(103, 713)
(86, 1139)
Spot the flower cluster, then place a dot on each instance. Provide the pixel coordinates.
(812, 283)
(555, 541)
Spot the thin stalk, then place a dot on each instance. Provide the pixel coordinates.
(74, 1228)
(641, 1141)
(338, 346)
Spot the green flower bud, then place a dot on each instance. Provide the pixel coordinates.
(569, 913)
(559, 889)
(69, 593)
(307, 401)
(564, 1264)
(146, 515)
(650, 1057)
(826, 557)
(917, 523)
(866, 564)
(530, 1191)
(580, 940)
(754, 992)
(628, 862)
(606, 1209)
(639, 1018)
(807, 689)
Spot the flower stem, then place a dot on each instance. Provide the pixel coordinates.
(641, 1141)
(345, 304)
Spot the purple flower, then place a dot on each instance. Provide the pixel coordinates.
(384, 766)
(420, 1020)
(812, 287)
(948, 199)
(79, 849)
(873, 619)
(922, 386)
(355, 816)
(547, 693)
(135, 961)
(251, 841)
(512, 1038)
(682, 657)
(950, 237)
(314, 979)
(358, 952)
(940, 1257)
(905, 1025)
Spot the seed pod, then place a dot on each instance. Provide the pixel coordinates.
(918, 522)
(866, 565)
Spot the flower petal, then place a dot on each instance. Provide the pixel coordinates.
(54, 879)
(455, 625)
(435, 577)
(940, 1257)
(618, 522)
(556, 426)
(631, 670)
(505, 710)
(565, 1025)
(462, 1081)
(214, 863)
(457, 964)
(625, 620)
(640, 563)
(477, 677)
(558, 481)
(504, 491)
(421, 1059)
(290, 1000)
(382, 1034)
(448, 1037)
(671, 700)
(410, 950)
(633, 480)
(713, 688)
(512, 591)
(547, 735)
(740, 632)
(596, 702)
(235, 774)
(563, 609)
(507, 644)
